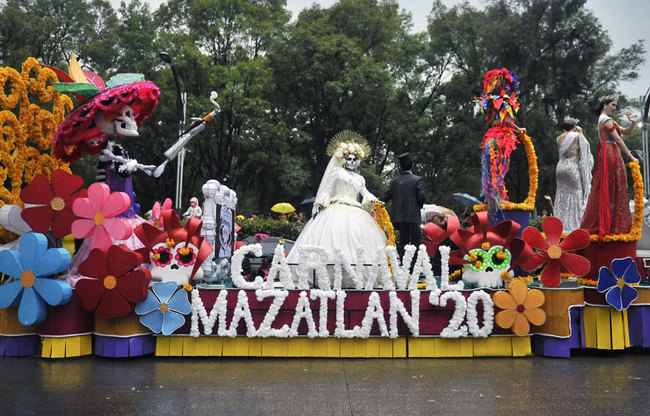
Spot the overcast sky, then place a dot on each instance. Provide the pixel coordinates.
(626, 21)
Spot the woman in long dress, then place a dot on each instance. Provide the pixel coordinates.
(339, 220)
(573, 173)
(608, 210)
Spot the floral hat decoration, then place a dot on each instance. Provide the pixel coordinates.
(348, 143)
(78, 134)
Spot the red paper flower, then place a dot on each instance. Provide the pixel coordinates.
(436, 235)
(96, 216)
(555, 253)
(114, 285)
(54, 202)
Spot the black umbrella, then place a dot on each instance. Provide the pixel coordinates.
(467, 199)
(269, 244)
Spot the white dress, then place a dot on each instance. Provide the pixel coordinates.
(573, 173)
(343, 223)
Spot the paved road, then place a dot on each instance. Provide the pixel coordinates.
(590, 383)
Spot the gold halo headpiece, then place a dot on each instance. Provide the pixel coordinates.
(348, 142)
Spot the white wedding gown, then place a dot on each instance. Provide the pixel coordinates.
(343, 223)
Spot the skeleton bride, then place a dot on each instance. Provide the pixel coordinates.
(339, 221)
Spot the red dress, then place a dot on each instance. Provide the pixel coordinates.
(608, 209)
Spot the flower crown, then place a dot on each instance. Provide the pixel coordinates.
(611, 97)
(348, 143)
(571, 120)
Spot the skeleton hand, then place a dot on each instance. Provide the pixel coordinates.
(149, 169)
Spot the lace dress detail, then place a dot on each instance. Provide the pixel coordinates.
(573, 173)
(609, 169)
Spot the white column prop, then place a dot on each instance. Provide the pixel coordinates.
(209, 218)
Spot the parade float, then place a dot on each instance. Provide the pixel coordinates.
(136, 288)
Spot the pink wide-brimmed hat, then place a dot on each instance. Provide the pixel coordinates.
(77, 134)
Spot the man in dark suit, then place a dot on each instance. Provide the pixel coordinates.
(407, 193)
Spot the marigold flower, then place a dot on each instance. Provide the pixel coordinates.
(521, 307)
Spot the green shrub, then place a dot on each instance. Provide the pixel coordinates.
(274, 228)
(536, 223)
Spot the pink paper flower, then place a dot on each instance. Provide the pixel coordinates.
(157, 210)
(96, 216)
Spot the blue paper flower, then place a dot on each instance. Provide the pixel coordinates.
(163, 309)
(616, 282)
(28, 264)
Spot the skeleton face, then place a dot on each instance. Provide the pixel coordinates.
(123, 124)
(485, 267)
(351, 162)
(173, 263)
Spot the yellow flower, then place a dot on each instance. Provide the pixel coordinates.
(455, 275)
(485, 246)
(170, 242)
(187, 287)
(521, 307)
(184, 251)
(28, 129)
(383, 220)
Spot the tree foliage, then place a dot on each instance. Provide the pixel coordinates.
(286, 87)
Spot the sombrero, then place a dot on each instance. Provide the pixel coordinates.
(77, 134)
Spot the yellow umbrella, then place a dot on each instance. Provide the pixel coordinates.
(283, 207)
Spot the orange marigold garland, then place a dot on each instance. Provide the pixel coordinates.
(27, 129)
(383, 219)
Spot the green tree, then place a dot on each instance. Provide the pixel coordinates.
(559, 51)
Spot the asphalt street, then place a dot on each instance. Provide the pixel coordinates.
(596, 383)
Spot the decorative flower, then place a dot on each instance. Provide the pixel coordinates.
(114, 284)
(164, 307)
(28, 264)
(555, 254)
(521, 307)
(54, 202)
(157, 210)
(96, 216)
(617, 282)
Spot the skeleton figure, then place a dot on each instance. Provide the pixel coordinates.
(114, 125)
(115, 167)
(351, 163)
